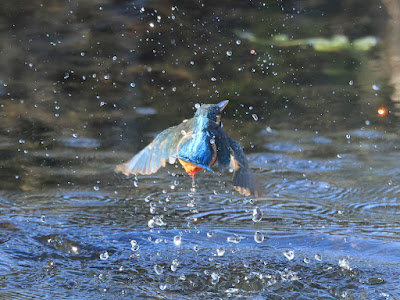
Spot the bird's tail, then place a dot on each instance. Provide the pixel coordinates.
(245, 182)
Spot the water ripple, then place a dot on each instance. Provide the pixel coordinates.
(313, 189)
(284, 147)
(81, 142)
(280, 163)
(85, 198)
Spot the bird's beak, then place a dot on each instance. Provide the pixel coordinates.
(223, 104)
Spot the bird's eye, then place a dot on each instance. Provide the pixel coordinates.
(218, 120)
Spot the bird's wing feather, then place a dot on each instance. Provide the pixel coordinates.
(161, 150)
(243, 178)
(223, 147)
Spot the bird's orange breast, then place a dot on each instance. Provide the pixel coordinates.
(189, 167)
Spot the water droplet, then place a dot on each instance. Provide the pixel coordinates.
(174, 265)
(151, 25)
(238, 42)
(229, 53)
(348, 136)
(158, 220)
(43, 218)
(21, 141)
(135, 245)
(213, 79)
(376, 87)
(212, 141)
(133, 84)
(258, 237)
(104, 255)
(234, 239)
(289, 254)
(351, 82)
(255, 117)
(197, 105)
(115, 57)
(257, 214)
(163, 286)
(82, 53)
(183, 132)
(214, 278)
(158, 269)
(210, 234)
(306, 260)
(106, 77)
(196, 248)
(344, 263)
(96, 188)
(177, 240)
(221, 251)
(318, 257)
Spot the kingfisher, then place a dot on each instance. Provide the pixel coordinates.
(197, 144)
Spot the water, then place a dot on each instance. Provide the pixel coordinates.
(81, 95)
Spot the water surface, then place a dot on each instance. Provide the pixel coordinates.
(86, 84)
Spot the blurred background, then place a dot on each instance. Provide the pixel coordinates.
(314, 90)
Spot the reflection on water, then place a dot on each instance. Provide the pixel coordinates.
(85, 85)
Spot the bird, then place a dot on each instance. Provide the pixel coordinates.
(197, 144)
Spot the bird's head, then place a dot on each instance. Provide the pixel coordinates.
(211, 111)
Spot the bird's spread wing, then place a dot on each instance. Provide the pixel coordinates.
(243, 178)
(161, 150)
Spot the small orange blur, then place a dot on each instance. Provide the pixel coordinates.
(382, 111)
